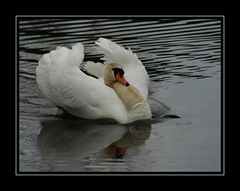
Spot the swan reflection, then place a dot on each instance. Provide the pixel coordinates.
(135, 136)
(78, 138)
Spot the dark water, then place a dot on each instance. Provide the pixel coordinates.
(183, 59)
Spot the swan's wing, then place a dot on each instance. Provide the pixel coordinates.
(135, 72)
(95, 69)
(53, 63)
(61, 81)
(87, 97)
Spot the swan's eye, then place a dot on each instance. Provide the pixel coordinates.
(118, 71)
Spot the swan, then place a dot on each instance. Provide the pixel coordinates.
(119, 91)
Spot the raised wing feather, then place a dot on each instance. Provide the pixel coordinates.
(135, 72)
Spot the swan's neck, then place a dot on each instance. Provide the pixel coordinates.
(136, 105)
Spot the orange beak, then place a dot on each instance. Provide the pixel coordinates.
(122, 80)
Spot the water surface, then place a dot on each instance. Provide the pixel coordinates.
(183, 59)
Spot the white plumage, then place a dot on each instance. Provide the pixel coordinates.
(61, 81)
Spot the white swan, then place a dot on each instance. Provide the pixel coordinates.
(113, 95)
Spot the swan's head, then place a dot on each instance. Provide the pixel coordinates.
(114, 73)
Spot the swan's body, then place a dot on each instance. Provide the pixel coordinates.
(61, 81)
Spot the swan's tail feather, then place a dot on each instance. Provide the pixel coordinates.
(114, 53)
(95, 69)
